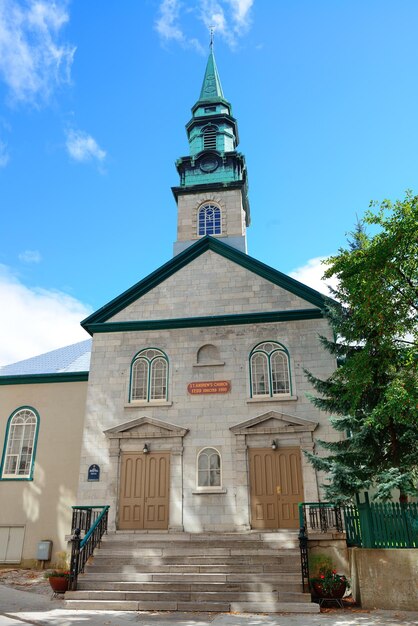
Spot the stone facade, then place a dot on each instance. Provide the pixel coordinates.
(209, 285)
(233, 217)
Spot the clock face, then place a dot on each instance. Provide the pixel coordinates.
(209, 164)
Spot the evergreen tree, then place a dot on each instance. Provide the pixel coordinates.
(373, 394)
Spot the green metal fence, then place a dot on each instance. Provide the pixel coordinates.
(381, 524)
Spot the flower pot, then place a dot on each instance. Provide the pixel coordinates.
(59, 584)
(336, 592)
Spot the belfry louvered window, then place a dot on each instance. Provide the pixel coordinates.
(209, 220)
(20, 444)
(269, 370)
(209, 138)
(149, 376)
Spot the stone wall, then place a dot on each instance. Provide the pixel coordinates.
(385, 578)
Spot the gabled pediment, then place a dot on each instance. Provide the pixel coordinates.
(136, 305)
(145, 427)
(274, 422)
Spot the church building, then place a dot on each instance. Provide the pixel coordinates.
(194, 411)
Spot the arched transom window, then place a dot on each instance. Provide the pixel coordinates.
(209, 220)
(20, 444)
(149, 375)
(269, 370)
(208, 468)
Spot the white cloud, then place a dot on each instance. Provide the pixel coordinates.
(35, 320)
(4, 155)
(32, 59)
(167, 25)
(230, 18)
(311, 274)
(30, 256)
(82, 147)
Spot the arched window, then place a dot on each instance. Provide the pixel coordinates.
(20, 444)
(149, 376)
(209, 137)
(269, 370)
(208, 468)
(209, 220)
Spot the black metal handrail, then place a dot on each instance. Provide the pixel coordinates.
(320, 516)
(304, 557)
(82, 549)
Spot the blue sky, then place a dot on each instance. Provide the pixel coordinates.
(94, 97)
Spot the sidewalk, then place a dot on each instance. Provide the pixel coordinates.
(20, 608)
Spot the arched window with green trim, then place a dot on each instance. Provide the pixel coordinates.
(20, 444)
(149, 376)
(269, 370)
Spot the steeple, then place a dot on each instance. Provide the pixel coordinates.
(214, 177)
(211, 87)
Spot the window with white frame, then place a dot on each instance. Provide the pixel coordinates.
(209, 469)
(269, 370)
(149, 376)
(20, 443)
(209, 220)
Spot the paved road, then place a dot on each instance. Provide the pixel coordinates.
(20, 608)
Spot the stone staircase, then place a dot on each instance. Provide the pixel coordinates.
(237, 572)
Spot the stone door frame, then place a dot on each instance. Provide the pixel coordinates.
(160, 436)
(259, 432)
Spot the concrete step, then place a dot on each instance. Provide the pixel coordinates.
(202, 567)
(187, 596)
(195, 587)
(191, 549)
(217, 607)
(194, 577)
(135, 556)
(158, 535)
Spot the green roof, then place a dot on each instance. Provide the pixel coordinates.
(211, 87)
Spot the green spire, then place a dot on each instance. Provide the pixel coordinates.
(211, 88)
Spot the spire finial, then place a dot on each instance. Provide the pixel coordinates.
(211, 30)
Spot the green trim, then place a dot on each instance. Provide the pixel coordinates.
(28, 379)
(212, 320)
(35, 443)
(186, 257)
(194, 189)
(149, 372)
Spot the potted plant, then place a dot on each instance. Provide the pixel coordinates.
(329, 584)
(58, 579)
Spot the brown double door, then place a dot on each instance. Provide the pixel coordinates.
(144, 491)
(276, 487)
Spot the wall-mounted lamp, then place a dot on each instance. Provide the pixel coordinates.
(145, 449)
(273, 445)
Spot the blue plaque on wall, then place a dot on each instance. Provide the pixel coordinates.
(93, 473)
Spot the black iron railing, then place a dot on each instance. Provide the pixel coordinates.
(320, 517)
(83, 548)
(304, 558)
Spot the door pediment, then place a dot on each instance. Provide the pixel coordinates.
(274, 422)
(145, 428)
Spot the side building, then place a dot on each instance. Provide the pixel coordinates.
(42, 404)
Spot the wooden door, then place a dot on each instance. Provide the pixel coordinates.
(144, 491)
(276, 487)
